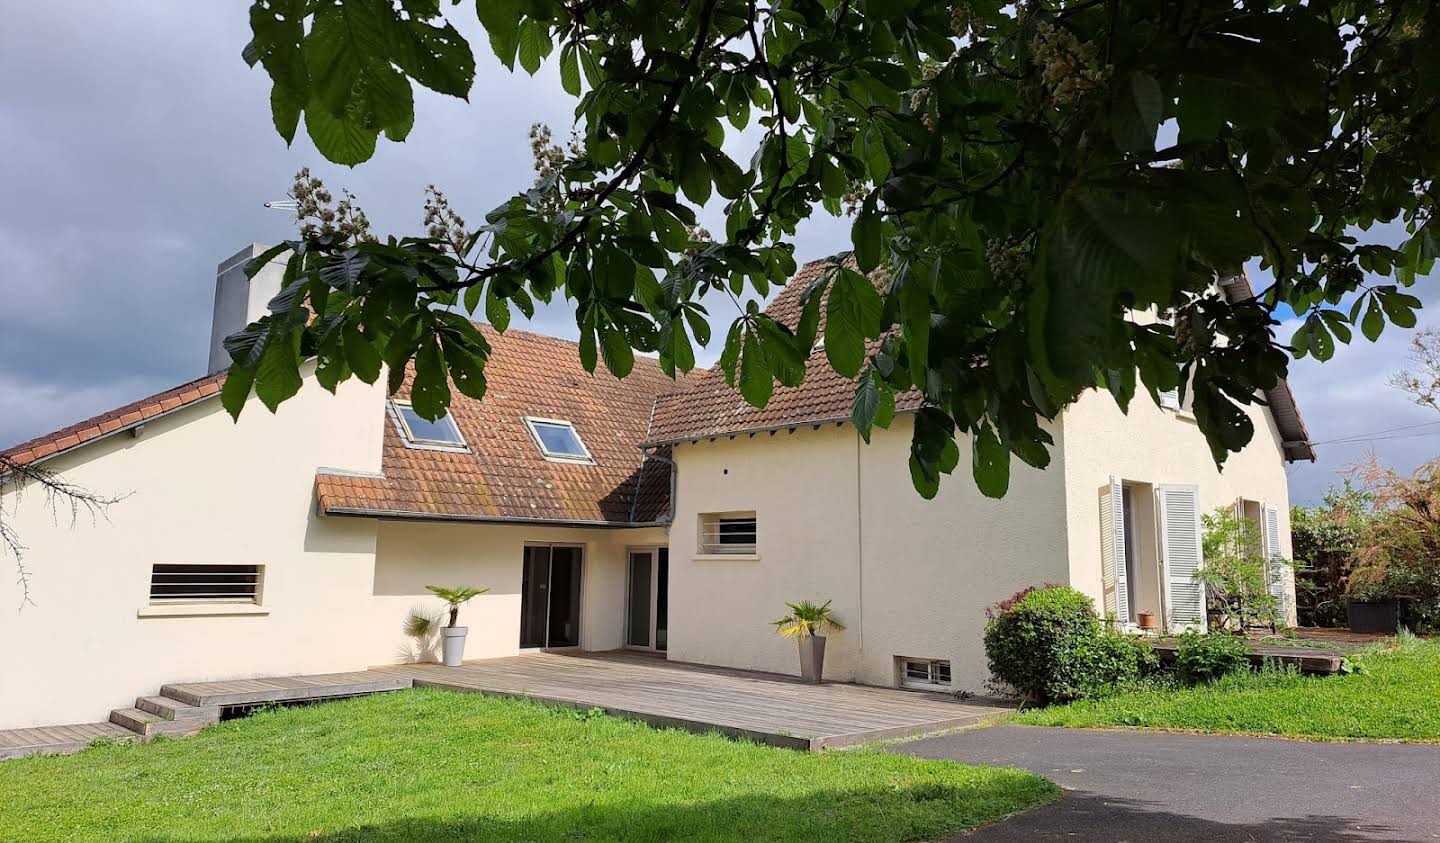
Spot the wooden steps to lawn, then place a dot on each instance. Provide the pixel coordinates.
(185, 708)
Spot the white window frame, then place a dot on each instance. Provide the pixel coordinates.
(218, 600)
(532, 421)
(412, 440)
(709, 534)
(934, 683)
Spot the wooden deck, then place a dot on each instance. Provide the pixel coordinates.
(58, 740)
(773, 709)
(239, 692)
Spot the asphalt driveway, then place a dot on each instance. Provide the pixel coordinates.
(1149, 786)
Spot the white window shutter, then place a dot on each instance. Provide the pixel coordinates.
(1180, 545)
(1272, 553)
(1115, 587)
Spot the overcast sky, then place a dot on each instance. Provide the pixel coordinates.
(136, 152)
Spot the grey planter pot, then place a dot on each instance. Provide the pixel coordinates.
(812, 658)
(454, 644)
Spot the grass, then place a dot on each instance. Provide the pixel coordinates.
(1392, 699)
(427, 765)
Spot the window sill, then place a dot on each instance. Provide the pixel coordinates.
(725, 557)
(1184, 415)
(199, 610)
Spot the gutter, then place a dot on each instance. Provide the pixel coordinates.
(751, 431)
(133, 427)
(400, 515)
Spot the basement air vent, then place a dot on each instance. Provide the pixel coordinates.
(205, 583)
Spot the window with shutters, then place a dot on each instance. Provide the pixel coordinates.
(728, 533)
(201, 583)
(924, 674)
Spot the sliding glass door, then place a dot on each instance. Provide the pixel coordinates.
(647, 599)
(550, 597)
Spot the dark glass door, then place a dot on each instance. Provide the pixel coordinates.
(534, 596)
(662, 599)
(550, 597)
(637, 627)
(564, 597)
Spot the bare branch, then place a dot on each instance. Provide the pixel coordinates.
(61, 496)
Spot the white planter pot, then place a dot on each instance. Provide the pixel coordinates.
(454, 644)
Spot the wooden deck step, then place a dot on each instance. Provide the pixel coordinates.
(283, 689)
(176, 710)
(58, 740)
(147, 724)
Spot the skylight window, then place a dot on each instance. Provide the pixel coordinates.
(557, 440)
(420, 431)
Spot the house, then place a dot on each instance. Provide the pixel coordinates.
(600, 513)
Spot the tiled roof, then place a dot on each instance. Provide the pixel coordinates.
(711, 407)
(503, 476)
(118, 419)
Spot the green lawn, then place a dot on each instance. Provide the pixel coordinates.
(1395, 698)
(440, 766)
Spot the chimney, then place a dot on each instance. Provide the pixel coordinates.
(240, 300)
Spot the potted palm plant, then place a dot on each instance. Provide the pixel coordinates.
(453, 635)
(805, 623)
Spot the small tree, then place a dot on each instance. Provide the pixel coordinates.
(456, 597)
(1326, 539)
(806, 619)
(1237, 572)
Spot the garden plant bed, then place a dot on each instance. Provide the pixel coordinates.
(432, 765)
(1392, 697)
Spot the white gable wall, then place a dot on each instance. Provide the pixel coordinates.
(203, 490)
(1154, 446)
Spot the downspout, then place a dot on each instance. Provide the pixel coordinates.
(859, 551)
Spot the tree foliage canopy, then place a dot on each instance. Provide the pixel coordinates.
(1022, 177)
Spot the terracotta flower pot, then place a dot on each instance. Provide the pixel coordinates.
(1147, 621)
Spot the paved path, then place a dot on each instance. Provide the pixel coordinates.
(1152, 786)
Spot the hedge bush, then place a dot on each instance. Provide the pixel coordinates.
(1204, 657)
(1049, 646)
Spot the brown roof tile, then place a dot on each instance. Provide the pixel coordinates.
(503, 475)
(710, 407)
(92, 428)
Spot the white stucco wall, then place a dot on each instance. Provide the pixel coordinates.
(1158, 446)
(336, 589)
(202, 490)
(840, 520)
(413, 555)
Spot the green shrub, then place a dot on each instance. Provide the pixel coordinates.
(1209, 656)
(1049, 646)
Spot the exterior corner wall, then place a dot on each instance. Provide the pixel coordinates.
(840, 520)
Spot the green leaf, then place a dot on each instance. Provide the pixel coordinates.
(360, 353)
(236, 389)
(497, 310)
(430, 389)
(1374, 321)
(339, 139)
(991, 463)
(756, 382)
(501, 19)
(694, 175)
(570, 70)
(853, 313)
(534, 39)
(615, 349)
(865, 234)
(278, 375)
(867, 402)
(285, 112)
